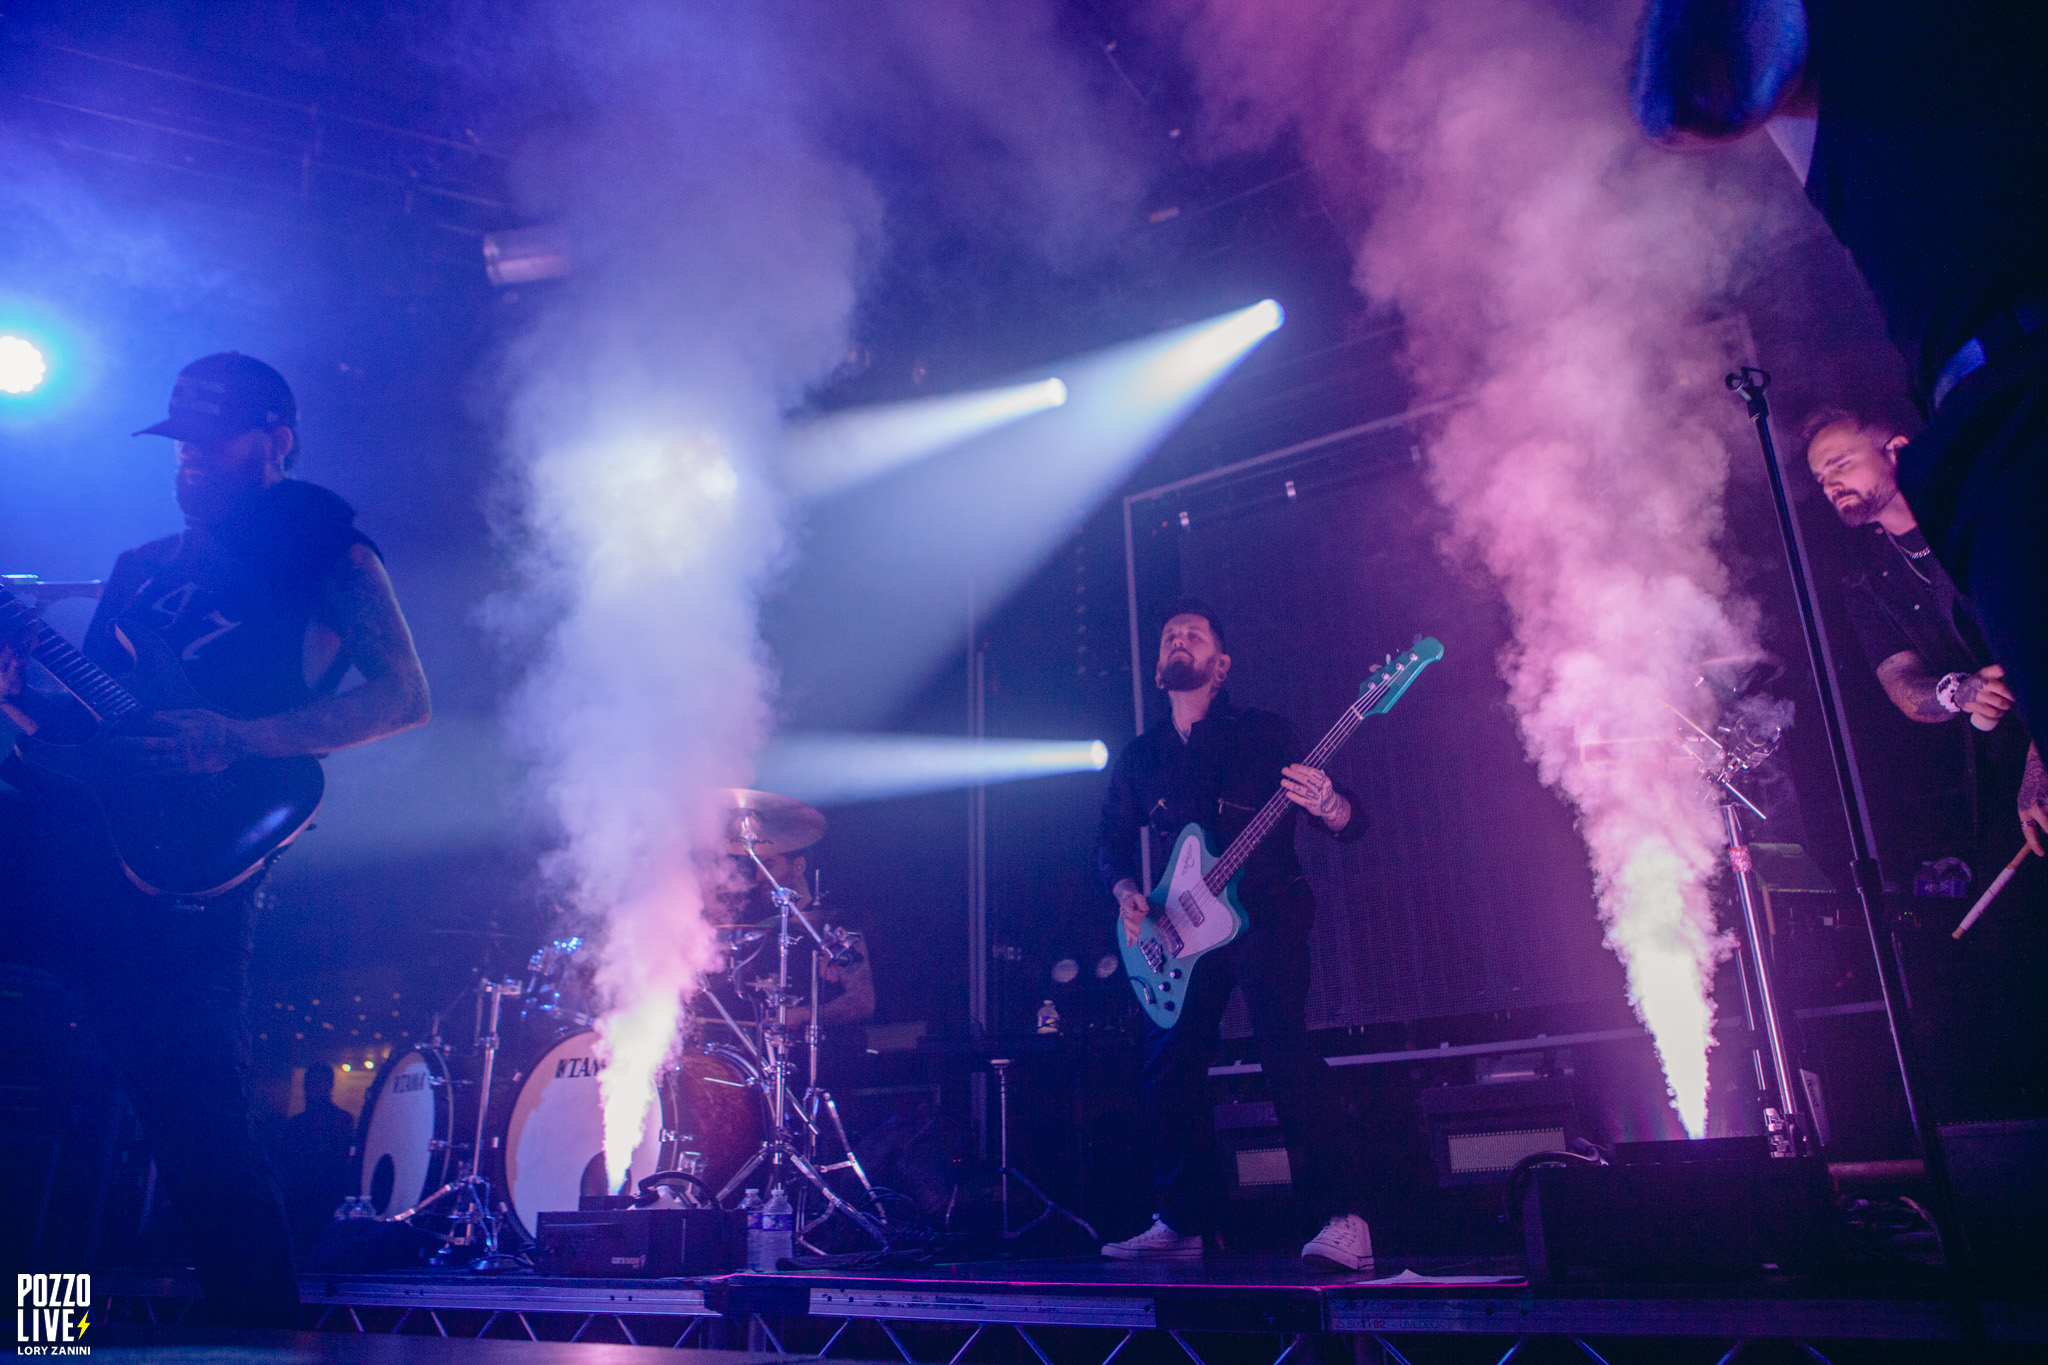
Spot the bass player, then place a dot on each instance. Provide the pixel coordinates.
(269, 597)
(1216, 764)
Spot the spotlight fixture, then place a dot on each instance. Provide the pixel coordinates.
(524, 255)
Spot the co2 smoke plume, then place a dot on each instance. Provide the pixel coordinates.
(702, 163)
(1548, 267)
(716, 259)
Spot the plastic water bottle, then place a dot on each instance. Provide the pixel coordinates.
(1048, 1018)
(751, 1206)
(778, 1230)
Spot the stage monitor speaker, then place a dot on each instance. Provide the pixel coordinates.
(1478, 1132)
(1677, 1212)
(2000, 1175)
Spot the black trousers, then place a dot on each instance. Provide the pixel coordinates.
(165, 990)
(1270, 964)
(1977, 479)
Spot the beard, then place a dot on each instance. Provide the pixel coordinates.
(1860, 509)
(1181, 675)
(206, 498)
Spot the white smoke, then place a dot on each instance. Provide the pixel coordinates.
(700, 162)
(1549, 268)
(716, 258)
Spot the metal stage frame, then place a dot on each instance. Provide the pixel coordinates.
(1083, 1313)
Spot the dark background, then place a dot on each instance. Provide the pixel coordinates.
(294, 181)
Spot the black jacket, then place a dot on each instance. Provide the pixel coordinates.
(1218, 778)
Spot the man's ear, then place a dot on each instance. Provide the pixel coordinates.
(1222, 668)
(1892, 449)
(283, 441)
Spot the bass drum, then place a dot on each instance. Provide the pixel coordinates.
(407, 1133)
(554, 1137)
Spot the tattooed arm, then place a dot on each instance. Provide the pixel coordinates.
(1913, 687)
(2034, 801)
(358, 604)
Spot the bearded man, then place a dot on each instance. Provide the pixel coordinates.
(1979, 1001)
(1215, 764)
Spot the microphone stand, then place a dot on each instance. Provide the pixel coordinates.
(1750, 383)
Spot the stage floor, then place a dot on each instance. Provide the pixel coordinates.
(812, 1312)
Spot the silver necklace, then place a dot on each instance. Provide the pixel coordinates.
(1912, 558)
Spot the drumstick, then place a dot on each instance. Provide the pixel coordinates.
(1991, 891)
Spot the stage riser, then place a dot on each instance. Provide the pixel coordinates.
(793, 1310)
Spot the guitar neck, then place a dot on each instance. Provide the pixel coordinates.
(81, 677)
(1275, 809)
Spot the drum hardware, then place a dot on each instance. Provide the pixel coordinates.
(474, 1221)
(761, 821)
(818, 1101)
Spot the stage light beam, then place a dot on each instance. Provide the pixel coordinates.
(835, 452)
(1202, 357)
(878, 598)
(829, 769)
(22, 367)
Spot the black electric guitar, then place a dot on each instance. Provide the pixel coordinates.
(188, 835)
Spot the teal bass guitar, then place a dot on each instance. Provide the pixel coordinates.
(1195, 907)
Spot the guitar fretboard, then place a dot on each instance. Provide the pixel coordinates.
(1275, 808)
(81, 677)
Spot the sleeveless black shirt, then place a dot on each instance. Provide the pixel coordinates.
(234, 600)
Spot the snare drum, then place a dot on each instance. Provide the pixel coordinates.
(408, 1132)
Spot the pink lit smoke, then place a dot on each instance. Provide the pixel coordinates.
(697, 159)
(1549, 268)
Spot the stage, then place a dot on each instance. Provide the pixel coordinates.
(1088, 1311)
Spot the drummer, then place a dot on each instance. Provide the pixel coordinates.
(740, 902)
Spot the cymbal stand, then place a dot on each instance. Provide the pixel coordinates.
(780, 1148)
(819, 1107)
(469, 1194)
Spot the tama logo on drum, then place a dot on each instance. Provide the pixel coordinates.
(407, 1083)
(575, 1068)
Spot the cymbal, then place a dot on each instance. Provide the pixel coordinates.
(778, 824)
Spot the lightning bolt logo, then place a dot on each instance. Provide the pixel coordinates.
(84, 1323)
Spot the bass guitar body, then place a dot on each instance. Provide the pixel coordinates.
(1195, 908)
(1188, 920)
(183, 835)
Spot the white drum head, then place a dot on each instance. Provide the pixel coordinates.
(554, 1143)
(398, 1149)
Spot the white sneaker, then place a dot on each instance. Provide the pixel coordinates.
(1345, 1243)
(1157, 1243)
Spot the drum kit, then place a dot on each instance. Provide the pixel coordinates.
(475, 1161)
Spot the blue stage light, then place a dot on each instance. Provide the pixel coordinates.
(835, 769)
(22, 367)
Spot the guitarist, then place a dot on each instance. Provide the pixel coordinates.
(269, 597)
(1216, 764)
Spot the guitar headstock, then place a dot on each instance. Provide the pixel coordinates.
(1398, 672)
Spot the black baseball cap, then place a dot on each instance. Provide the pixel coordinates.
(223, 395)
